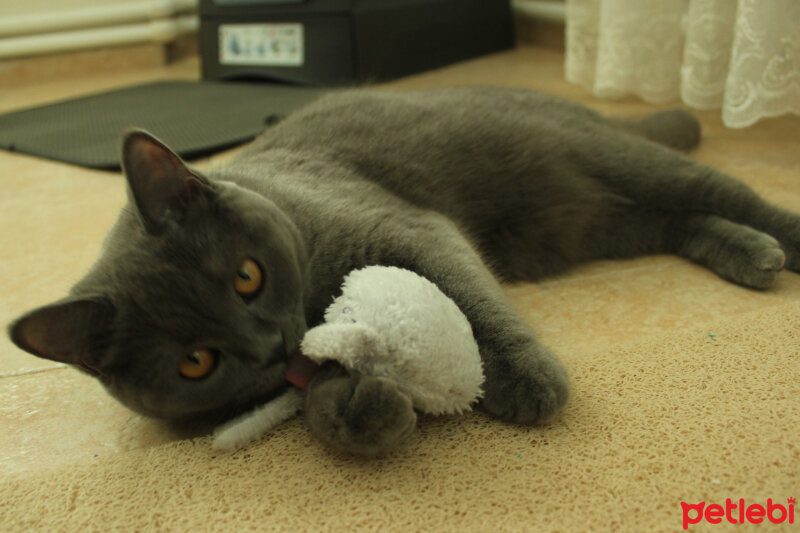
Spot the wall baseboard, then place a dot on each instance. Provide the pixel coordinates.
(540, 23)
(105, 61)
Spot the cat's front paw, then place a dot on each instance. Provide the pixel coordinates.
(359, 414)
(531, 387)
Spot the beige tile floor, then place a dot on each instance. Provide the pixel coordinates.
(53, 217)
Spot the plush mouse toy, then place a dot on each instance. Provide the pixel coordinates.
(388, 322)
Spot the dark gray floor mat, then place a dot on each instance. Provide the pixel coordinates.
(192, 118)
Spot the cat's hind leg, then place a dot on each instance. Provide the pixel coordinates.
(733, 251)
(674, 128)
(656, 178)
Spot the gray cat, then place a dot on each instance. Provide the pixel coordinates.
(208, 282)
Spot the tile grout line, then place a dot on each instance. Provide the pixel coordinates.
(32, 371)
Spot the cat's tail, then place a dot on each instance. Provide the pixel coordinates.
(675, 128)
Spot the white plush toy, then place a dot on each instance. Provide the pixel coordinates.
(392, 323)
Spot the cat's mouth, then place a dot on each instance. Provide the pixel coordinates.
(293, 331)
(212, 416)
(194, 407)
(203, 423)
(227, 413)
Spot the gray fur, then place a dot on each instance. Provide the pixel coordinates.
(464, 186)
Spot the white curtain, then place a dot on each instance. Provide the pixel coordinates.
(742, 56)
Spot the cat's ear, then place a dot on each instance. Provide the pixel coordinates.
(161, 184)
(71, 331)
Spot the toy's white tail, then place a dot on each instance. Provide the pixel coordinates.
(253, 424)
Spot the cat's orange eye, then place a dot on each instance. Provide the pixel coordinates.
(198, 364)
(248, 278)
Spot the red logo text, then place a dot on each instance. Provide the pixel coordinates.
(738, 512)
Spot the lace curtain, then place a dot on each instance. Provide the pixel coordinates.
(742, 56)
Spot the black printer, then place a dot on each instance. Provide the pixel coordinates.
(337, 42)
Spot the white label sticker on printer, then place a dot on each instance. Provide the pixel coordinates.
(261, 44)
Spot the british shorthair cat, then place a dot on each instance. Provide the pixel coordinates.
(208, 281)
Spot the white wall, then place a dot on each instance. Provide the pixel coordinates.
(545, 10)
(28, 7)
(33, 27)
